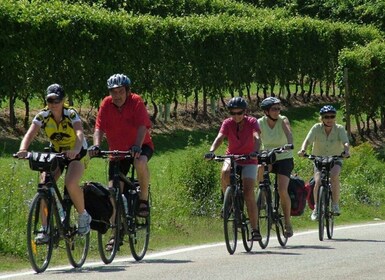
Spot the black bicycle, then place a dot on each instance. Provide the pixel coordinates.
(52, 217)
(235, 215)
(324, 203)
(268, 201)
(124, 221)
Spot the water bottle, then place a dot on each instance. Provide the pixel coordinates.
(125, 204)
(60, 209)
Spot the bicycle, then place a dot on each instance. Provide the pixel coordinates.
(234, 215)
(125, 221)
(324, 203)
(268, 202)
(52, 214)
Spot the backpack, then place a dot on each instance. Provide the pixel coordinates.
(98, 205)
(298, 194)
(310, 196)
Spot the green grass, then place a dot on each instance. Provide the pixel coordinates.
(178, 155)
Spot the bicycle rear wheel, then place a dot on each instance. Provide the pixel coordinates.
(245, 228)
(321, 212)
(229, 220)
(329, 217)
(139, 233)
(108, 245)
(264, 218)
(77, 245)
(40, 223)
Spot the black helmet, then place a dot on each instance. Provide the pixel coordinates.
(118, 80)
(327, 109)
(55, 91)
(237, 103)
(268, 102)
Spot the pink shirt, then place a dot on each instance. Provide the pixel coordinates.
(240, 141)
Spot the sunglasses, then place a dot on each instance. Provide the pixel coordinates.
(329, 117)
(53, 101)
(237, 113)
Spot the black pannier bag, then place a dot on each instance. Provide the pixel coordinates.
(98, 205)
(298, 195)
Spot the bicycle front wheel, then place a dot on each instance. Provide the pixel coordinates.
(77, 245)
(229, 220)
(264, 217)
(139, 233)
(321, 212)
(245, 229)
(39, 233)
(329, 217)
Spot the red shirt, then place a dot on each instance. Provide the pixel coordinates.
(240, 141)
(121, 124)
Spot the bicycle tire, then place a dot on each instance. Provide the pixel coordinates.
(230, 220)
(139, 237)
(245, 228)
(77, 245)
(329, 217)
(107, 249)
(39, 254)
(264, 217)
(280, 230)
(321, 212)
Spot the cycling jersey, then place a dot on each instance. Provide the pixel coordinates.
(62, 136)
(121, 124)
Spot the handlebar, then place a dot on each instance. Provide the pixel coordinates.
(234, 157)
(335, 157)
(29, 154)
(114, 154)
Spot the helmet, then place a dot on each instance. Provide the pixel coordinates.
(327, 109)
(268, 102)
(118, 80)
(237, 102)
(55, 91)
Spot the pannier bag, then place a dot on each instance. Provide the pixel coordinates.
(310, 195)
(98, 205)
(298, 195)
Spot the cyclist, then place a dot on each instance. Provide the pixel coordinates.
(242, 133)
(327, 138)
(276, 132)
(123, 119)
(62, 125)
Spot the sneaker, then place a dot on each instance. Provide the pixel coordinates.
(314, 215)
(84, 221)
(256, 235)
(336, 210)
(42, 238)
(288, 231)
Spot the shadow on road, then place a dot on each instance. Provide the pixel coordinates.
(357, 240)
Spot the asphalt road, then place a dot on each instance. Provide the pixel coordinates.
(355, 252)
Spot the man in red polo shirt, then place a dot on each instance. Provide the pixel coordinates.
(123, 119)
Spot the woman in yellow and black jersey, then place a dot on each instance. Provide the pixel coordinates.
(63, 127)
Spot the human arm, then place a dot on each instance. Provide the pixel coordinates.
(287, 130)
(27, 139)
(78, 128)
(217, 142)
(136, 148)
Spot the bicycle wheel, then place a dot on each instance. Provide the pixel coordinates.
(229, 220)
(329, 217)
(107, 245)
(282, 239)
(139, 236)
(40, 223)
(245, 229)
(321, 212)
(264, 217)
(77, 245)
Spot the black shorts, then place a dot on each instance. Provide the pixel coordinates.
(125, 164)
(64, 163)
(283, 167)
